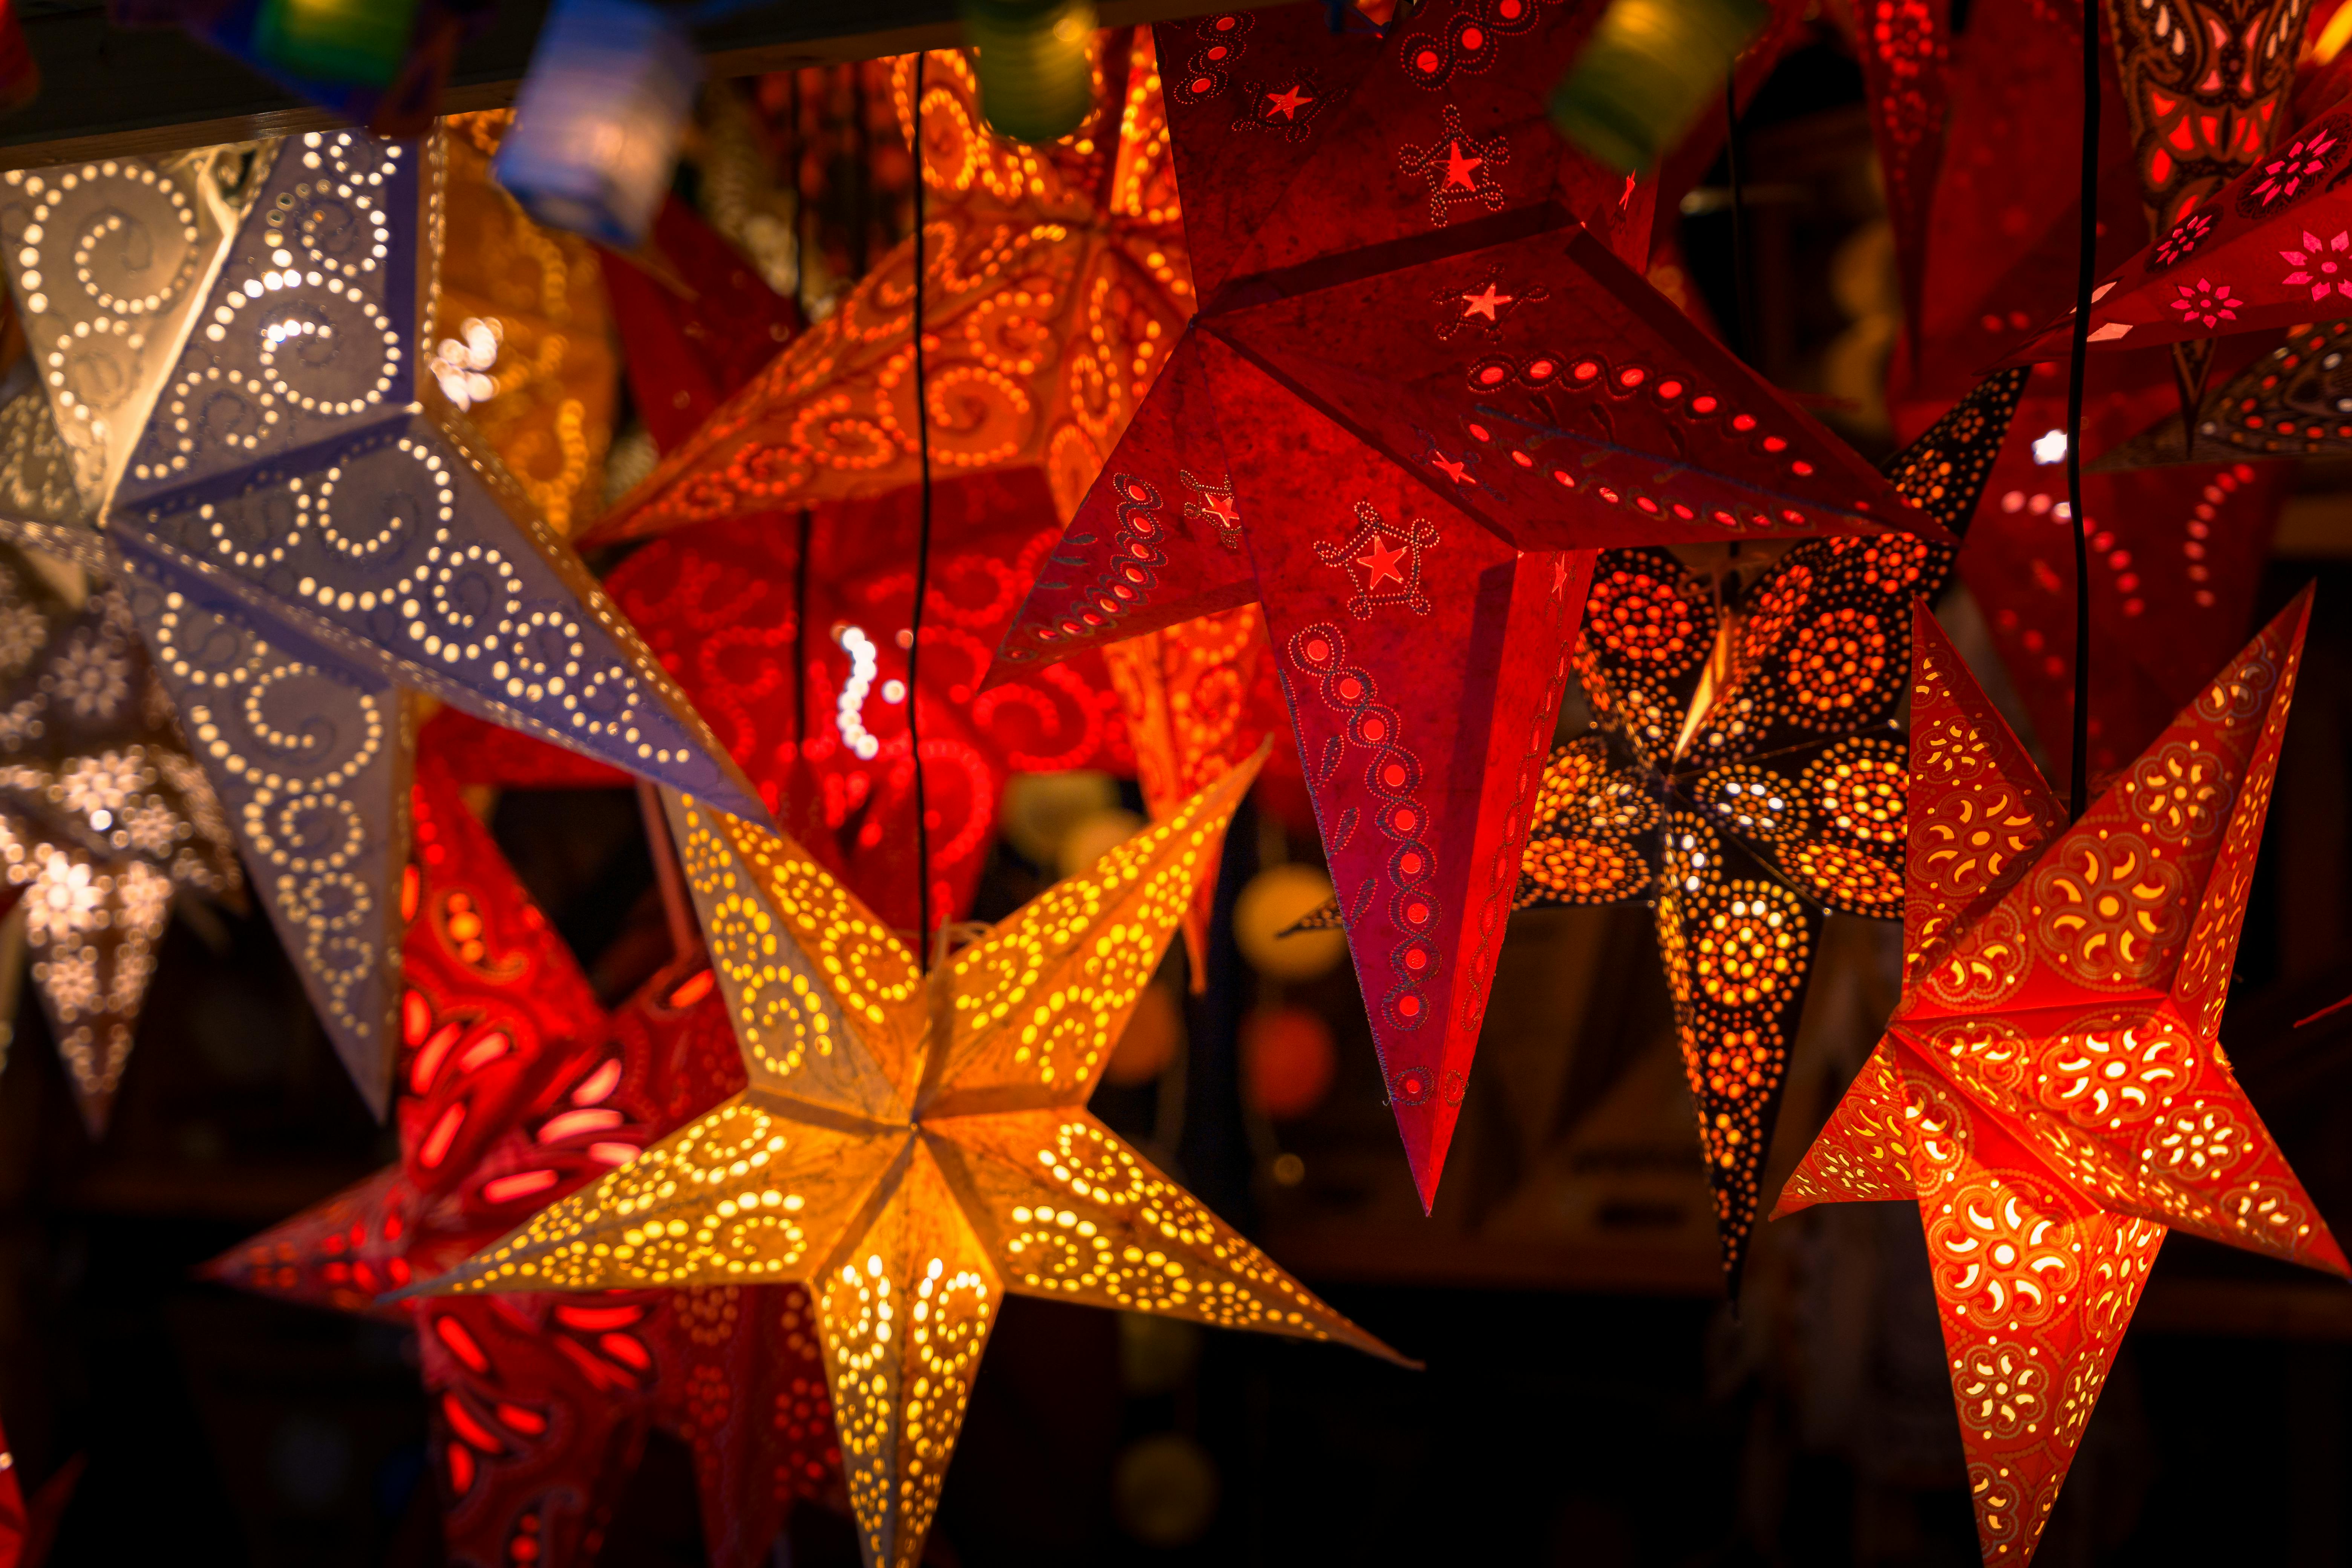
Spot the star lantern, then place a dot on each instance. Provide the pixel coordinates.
(522, 341)
(104, 814)
(302, 522)
(1057, 281)
(2259, 254)
(1904, 49)
(1745, 778)
(2049, 1090)
(1419, 393)
(913, 1146)
(2174, 555)
(1199, 698)
(514, 1089)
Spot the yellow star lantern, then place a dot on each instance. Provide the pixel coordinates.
(914, 1146)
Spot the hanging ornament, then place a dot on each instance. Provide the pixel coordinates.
(358, 41)
(2050, 1089)
(1466, 415)
(599, 119)
(1648, 71)
(521, 338)
(514, 1089)
(2175, 555)
(1905, 47)
(1031, 56)
(1745, 778)
(103, 816)
(1199, 696)
(2205, 87)
(1058, 279)
(2259, 254)
(377, 63)
(807, 671)
(695, 331)
(302, 523)
(909, 1142)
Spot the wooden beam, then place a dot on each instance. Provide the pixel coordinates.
(109, 91)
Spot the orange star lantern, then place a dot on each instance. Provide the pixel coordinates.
(522, 339)
(1199, 698)
(2051, 1090)
(913, 1146)
(1055, 280)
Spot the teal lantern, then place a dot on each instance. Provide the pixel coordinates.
(1037, 83)
(360, 42)
(1649, 68)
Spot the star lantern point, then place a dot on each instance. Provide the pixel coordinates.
(2051, 1090)
(914, 1146)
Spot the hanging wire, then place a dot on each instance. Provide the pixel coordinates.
(1739, 311)
(922, 555)
(2085, 278)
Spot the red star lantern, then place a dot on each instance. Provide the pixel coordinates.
(2260, 253)
(1419, 389)
(1055, 279)
(2050, 1091)
(2175, 554)
(1905, 47)
(514, 1087)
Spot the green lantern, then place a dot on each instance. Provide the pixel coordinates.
(1649, 68)
(360, 42)
(1037, 83)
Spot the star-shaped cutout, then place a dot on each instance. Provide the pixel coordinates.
(1380, 565)
(913, 1146)
(1288, 102)
(1483, 303)
(1460, 167)
(1370, 550)
(1454, 468)
(2051, 1090)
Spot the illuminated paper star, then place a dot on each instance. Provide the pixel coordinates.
(1327, 372)
(515, 1087)
(2051, 1090)
(912, 1146)
(303, 524)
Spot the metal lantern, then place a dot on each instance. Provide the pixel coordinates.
(598, 122)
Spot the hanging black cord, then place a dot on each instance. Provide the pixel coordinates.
(2085, 278)
(922, 556)
(804, 570)
(1739, 311)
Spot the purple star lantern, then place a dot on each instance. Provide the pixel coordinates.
(304, 526)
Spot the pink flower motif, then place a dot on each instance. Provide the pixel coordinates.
(2324, 269)
(2212, 303)
(2284, 177)
(2185, 237)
